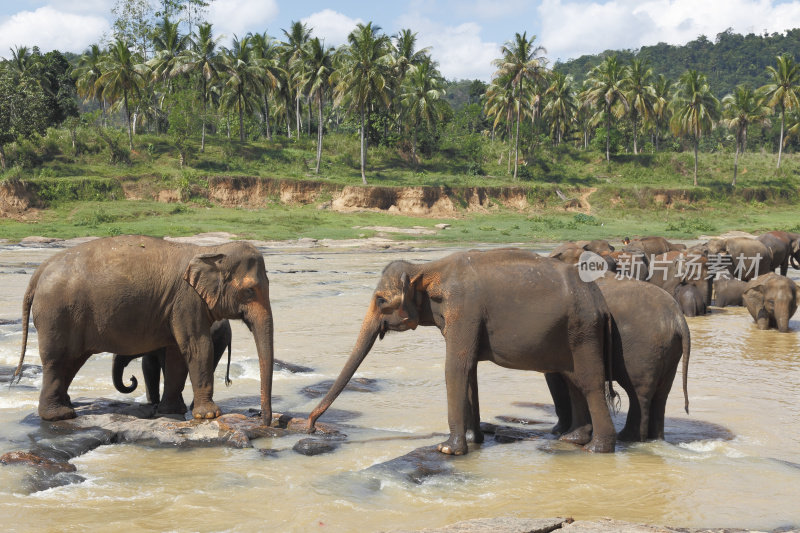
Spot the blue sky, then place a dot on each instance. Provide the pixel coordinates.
(464, 35)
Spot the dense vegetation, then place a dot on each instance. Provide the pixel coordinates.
(163, 101)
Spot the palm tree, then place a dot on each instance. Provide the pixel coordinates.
(420, 98)
(318, 61)
(404, 56)
(742, 108)
(641, 95)
(783, 92)
(661, 89)
(243, 79)
(265, 53)
(22, 61)
(202, 58)
(364, 76)
(87, 73)
(560, 104)
(169, 44)
(501, 103)
(606, 93)
(695, 109)
(122, 76)
(296, 38)
(525, 65)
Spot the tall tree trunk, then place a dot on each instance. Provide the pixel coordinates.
(414, 149)
(608, 134)
(241, 119)
(2, 157)
(266, 117)
(363, 150)
(516, 147)
(205, 110)
(635, 129)
(735, 163)
(780, 144)
(696, 142)
(228, 123)
(319, 132)
(297, 113)
(128, 115)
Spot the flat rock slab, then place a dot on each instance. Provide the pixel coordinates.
(501, 524)
(355, 385)
(103, 421)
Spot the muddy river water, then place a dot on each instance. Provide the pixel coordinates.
(734, 461)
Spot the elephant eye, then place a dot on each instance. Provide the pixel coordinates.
(381, 301)
(249, 294)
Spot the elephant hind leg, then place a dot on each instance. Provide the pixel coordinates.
(580, 428)
(175, 372)
(658, 406)
(632, 432)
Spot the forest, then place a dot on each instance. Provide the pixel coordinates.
(164, 83)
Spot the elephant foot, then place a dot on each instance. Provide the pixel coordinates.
(559, 429)
(206, 410)
(453, 446)
(580, 436)
(171, 407)
(602, 444)
(56, 412)
(474, 435)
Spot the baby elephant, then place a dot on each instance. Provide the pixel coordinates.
(771, 300)
(690, 300)
(729, 292)
(153, 363)
(647, 347)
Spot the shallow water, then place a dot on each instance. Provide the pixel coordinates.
(733, 462)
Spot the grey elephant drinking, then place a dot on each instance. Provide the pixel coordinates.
(509, 306)
(135, 294)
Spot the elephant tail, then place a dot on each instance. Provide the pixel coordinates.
(686, 342)
(612, 398)
(228, 368)
(120, 362)
(27, 302)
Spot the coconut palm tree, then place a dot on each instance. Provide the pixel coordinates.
(318, 61)
(694, 109)
(202, 59)
(420, 98)
(606, 93)
(662, 88)
(502, 103)
(123, 75)
(524, 63)
(86, 74)
(783, 92)
(296, 38)
(640, 94)
(243, 75)
(265, 52)
(404, 57)
(364, 76)
(169, 44)
(740, 109)
(560, 104)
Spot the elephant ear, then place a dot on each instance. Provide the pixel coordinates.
(754, 298)
(430, 284)
(205, 276)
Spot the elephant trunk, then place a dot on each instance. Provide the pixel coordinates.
(262, 327)
(120, 362)
(794, 261)
(783, 312)
(370, 329)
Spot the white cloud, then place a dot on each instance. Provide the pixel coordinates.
(238, 17)
(49, 29)
(571, 28)
(331, 26)
(460, 51)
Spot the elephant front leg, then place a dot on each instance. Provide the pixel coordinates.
(201, 373)
(458, 365)
(175, 372)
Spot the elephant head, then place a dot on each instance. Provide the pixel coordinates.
(232, 280)
(396, 305)
(771, 300)
(795, 254)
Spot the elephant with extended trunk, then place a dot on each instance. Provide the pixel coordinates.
(784, 247)
(771, 300)
(135, 294)
(647, 348)
(509, 306)
(153, 363)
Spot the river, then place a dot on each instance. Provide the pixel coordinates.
(734, 461)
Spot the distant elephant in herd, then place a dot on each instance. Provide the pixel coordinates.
(509, 306)
(784, 247)
(689, 300)
(728, 291)
(136, 294)
(154, 363)
(747, 257)
(771, 300)
(647, 349)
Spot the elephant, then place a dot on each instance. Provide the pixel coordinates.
(689, 299)
(509, 306)
(728, 291)
(153, 363)
(570, 252)
(675, 268)
(134, 294)
(745, 258)
(644, 364)
(630, 265)
(651, 246)
(785, 249)
(771, 300)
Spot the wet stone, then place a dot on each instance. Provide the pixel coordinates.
(313, 447)
(417, 466)
(291, 367)
(355, 385)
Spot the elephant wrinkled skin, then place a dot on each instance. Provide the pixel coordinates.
(509, 306)
(134, 294)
